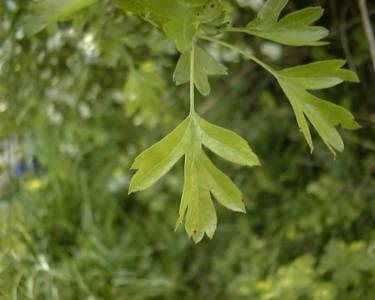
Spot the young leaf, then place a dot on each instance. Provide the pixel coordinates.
(295, 29)
(323, 115)
(205, 65)
(46, 12)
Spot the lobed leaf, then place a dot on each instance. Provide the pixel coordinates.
(201, 177)
(323, 115)
(196, 204)
(319, 75)
(294, 29)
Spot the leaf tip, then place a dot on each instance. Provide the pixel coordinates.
(355, 78)
(178, 223)
(256, 163)
(311, 146)
(132, 188)
(196, 237)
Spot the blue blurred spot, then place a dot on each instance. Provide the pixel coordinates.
(20, 169)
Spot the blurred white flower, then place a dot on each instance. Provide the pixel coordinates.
(54, 116)
(272, 50)
(84, 110)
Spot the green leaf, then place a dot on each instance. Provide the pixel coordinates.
(133, 6)
(196, 204)
(224, 190)
(156, 161)
(345, 262)
(294, 29)
(143, 89)
(323, 115)
(194, 2)
(319, 75)
(205, 65)
(269, 13)
(182, 31)
(46, 12)
(181, 74)
(164, 9)
(201, 177)
(210, 12)
(170, 9)
(227, 144)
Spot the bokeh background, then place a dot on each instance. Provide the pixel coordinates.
(68, 135)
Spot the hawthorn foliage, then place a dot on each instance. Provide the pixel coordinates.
(192, 24)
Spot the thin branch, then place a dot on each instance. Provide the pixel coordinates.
(192, 79)
(344, 39)
(368, 29)
(242, 52)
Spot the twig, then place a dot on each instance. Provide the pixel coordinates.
(350, 24)
(344, 40)
(368, 29)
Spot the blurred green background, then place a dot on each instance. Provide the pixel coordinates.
(69, 230)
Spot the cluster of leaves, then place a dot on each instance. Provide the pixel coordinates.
(186, 22)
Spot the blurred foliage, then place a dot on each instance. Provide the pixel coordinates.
(68, 229)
